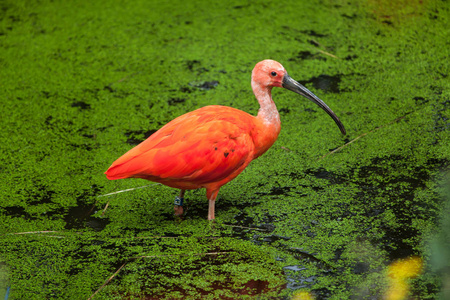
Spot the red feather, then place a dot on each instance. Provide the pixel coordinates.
(192, 151)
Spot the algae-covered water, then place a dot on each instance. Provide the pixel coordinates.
(319, 215)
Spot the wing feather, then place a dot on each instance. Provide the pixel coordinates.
(206, 145)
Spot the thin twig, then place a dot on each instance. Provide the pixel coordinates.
(104, 210)
(128, 190)
(364, 134)
(345, 145)
(34, 232)
(107, 281)
(322, 51)
(259, 229)
(327, 53)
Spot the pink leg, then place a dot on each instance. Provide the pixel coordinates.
(212, 204)
(211, 195)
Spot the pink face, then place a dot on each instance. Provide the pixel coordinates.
(268, 73)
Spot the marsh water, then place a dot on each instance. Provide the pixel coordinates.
(82, 82)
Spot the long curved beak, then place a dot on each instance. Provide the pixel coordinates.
(292, 85)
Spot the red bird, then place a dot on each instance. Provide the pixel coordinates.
(210, 146)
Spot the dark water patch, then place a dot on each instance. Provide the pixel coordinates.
(224, 203)
(241, 6)
(391, 99)
(266, 227)
(280, 190)
(305, 256)
(109, 88)
(46, 94)
(86, 132)
(77, 215)
(276, 190)
(175, 100)
(103, 128)
(81, 146)
(14, 19)
(302, 175)
(195, 66)
(361, 267)
(313, 33)
(245, 227)
(20, 212)
(351, 57)
(437, 90)
(81, 105)
(387, 22)
(197, 208)
(309, 109)
(244, 219)
(284, 111)
(350, 17)
(322, 173)
(136, 137)
(39, 194)
(89, 136)
(190, 64)
(186, 89)
(269, 239)
(295, 279)
(96, 93)
(337, 254)
(205, 85)
(80, 217)
(15, 212)
(303, 55)
(326, 83)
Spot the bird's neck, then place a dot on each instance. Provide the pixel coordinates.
(268, 112)
(268, 116)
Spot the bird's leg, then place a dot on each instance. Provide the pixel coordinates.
(212, 204)
(178, 204)
(212, 195)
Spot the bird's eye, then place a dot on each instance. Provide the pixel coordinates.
(273, 74)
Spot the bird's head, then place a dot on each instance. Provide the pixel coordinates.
(269, 73)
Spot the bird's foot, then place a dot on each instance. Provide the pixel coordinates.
(178, 206)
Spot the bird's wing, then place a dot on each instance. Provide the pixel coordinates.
(205, 145)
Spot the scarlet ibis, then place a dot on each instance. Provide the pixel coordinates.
(210, 146)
